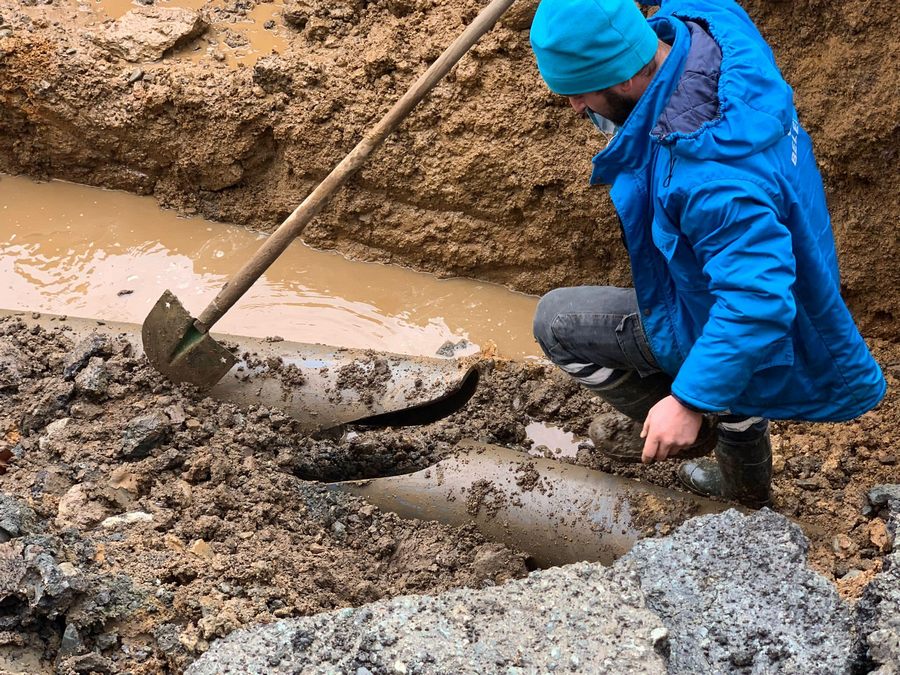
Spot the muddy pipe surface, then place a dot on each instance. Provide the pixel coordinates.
(557, 513)
(321, 387)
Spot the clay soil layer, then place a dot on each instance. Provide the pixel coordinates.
(488, 178)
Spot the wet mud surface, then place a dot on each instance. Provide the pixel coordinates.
(168, 519)
(487, 178)
(162, 520)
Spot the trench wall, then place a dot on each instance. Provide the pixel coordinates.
(487, 179)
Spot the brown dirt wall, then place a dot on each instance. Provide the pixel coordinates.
(488, 178)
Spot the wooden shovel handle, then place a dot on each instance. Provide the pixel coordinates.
(279, 240)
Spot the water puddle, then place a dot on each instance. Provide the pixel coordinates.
(231, 40)
(82, 251)
(560, 443)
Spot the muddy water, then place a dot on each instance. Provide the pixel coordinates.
(72, 249)
(560, 443)
(231, 42)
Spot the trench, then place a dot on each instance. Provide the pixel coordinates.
(83, 251)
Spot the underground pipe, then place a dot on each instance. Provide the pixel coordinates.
(556, 513)
(321, 387)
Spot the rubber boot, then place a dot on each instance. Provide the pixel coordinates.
(742, 471)
(617, 435)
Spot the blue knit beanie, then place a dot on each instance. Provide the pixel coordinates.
(587, 45)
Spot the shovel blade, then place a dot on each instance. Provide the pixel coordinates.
(178, 350)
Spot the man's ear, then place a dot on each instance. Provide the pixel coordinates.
(624, 88)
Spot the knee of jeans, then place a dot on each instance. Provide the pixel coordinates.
(544, 316)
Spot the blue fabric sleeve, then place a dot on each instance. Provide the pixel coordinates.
(747, 258)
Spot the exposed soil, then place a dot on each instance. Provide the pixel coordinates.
(162, 520)
(182, 518)
(176, 519)
(488, 177)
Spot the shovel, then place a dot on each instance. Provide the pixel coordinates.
(178, 345)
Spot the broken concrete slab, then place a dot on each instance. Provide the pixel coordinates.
(878, 609)
(578, 618)
(736, 595)
(147, 33)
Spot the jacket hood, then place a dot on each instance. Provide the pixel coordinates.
(713, 98)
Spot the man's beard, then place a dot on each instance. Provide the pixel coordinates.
(619, 107)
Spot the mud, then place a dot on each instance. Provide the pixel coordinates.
(208, 512)
(488, 178)
(81, 251)
(192, 508)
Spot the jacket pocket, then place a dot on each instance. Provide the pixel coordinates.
(779, 353)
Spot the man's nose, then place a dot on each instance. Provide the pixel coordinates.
(577, 102)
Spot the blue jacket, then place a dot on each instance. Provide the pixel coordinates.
(724, 217)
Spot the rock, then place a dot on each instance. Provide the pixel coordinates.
(450, 348)
(31, 582)
(13, 366)
(126, 519)
(71, 642)
(880, 495)
(16, 518)
(879, 536)
(579, 618)
(143, 433)
(147, 33)
(201, 549)
(95, 379)
(91, 662)
(53, 432)
(96, 344)
(55, 397)
(843, 546)
(878, 622)
(77, 510)
(735, 593)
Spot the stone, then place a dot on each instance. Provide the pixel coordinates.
(77, 510)
(16, 518)
(879, 536)
(31, 582)
(55, 397)
(880, 495)
(95, 344)
(147, 33)
(735, 592)
(94, 379)
(71, 642)
(878, 622)
(126, 519)
(578, 618)
(143, 433)
(91, 662)
(13, 366)
(53, 432)
(201, 549)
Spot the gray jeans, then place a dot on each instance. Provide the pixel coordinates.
(593, 331)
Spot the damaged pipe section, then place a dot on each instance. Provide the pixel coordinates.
(557, 513)
(321, 387)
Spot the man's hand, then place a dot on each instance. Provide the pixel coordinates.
(669, 428)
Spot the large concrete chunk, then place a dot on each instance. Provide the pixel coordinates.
(878, 610)
(147, 33)
(579, 618)
(736, 595)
